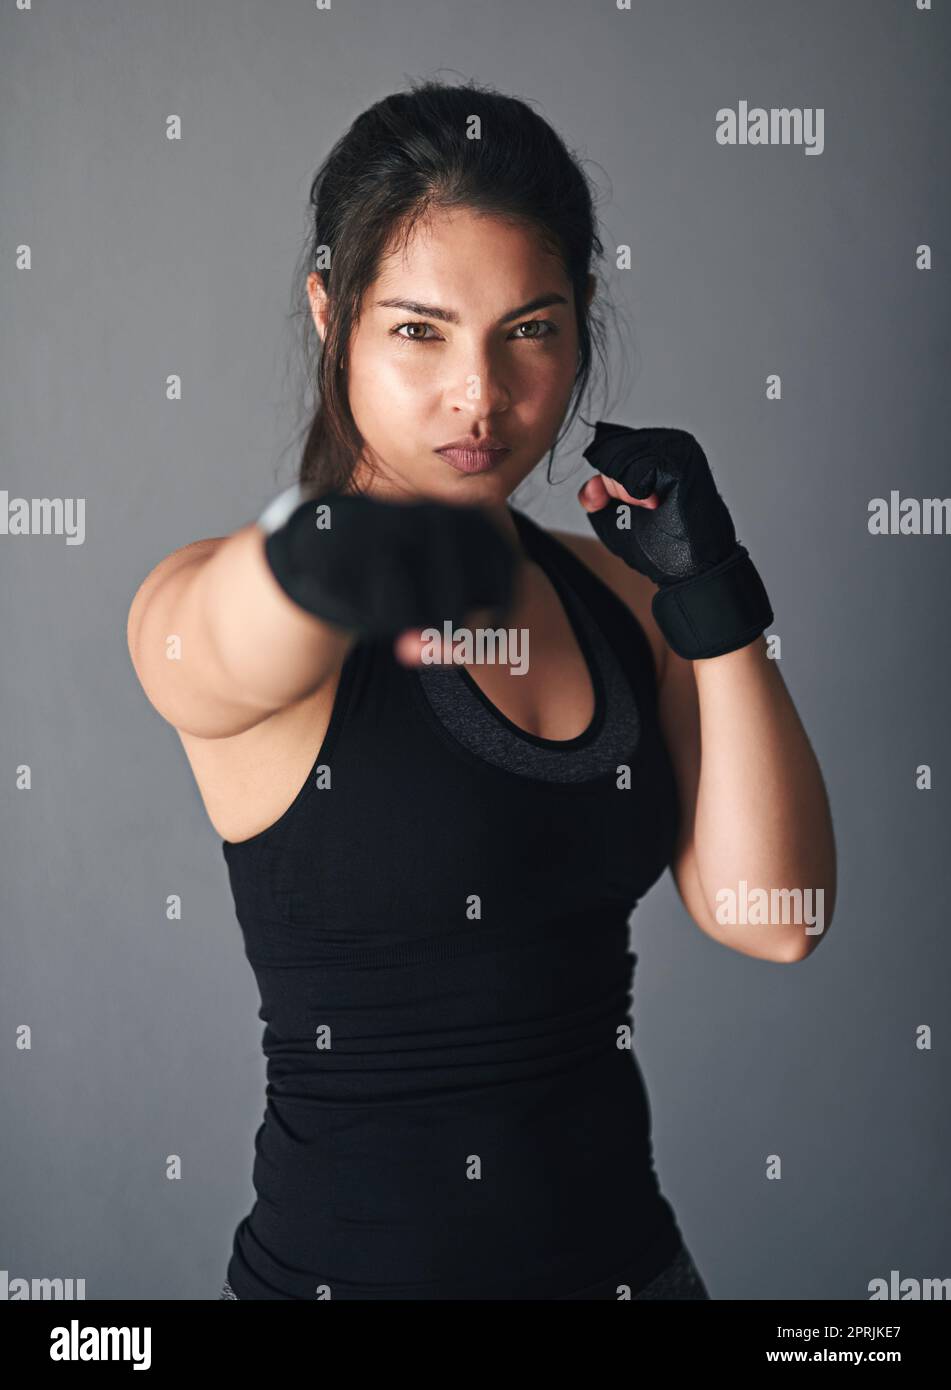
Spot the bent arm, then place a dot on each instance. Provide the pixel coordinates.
(756, 862)
(216, 643)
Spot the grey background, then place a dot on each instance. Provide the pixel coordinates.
(152, 257)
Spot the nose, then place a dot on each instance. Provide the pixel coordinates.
(477, 385)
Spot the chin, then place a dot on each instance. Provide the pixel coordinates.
(486, 489)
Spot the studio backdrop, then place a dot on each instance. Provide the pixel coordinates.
(774, 208)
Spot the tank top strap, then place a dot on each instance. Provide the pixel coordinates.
(619, 624)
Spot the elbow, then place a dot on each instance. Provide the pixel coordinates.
(801, 945)
(812, 928)
(795, 951)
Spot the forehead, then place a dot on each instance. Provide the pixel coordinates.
(463, 252)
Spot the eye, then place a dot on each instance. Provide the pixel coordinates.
(415, 337)
(538, 323)
(531, 337)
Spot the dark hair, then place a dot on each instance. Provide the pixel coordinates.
(404, 156)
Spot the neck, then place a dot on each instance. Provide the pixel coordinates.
(502, 516)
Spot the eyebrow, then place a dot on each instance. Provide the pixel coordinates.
(450, 316)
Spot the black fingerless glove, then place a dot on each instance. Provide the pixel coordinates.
(377, 567)
(710, 598)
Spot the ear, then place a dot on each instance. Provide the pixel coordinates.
(319, 303)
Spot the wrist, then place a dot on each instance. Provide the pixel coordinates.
(715, 612)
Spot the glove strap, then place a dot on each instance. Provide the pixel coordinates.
(715, 612)
(288, 523)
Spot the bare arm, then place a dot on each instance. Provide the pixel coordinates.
(754, 804)
(216, 643)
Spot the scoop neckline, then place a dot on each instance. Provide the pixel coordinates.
(533, 538)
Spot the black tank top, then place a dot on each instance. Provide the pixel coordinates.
(438, 926)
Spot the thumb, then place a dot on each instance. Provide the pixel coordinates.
(593, 495)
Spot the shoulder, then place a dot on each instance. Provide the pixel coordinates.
(632, 588)
(157, 576)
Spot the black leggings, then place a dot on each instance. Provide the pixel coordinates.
(681, 1279)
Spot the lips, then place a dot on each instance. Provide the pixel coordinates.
(472, 459)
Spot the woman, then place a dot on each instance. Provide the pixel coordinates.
(433, 863)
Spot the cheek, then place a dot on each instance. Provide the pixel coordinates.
(382, 373)
(545, 385)
(384, 394)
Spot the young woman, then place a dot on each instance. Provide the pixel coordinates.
(433, 864)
